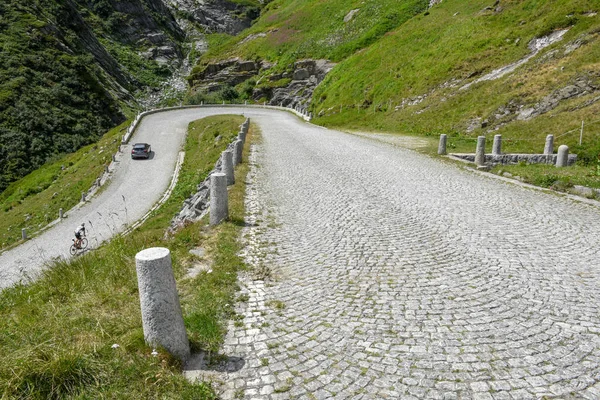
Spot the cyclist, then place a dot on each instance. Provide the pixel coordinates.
(78, 233)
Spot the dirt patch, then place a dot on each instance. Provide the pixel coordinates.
(408, 142)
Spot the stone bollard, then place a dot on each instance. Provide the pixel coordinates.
(162, 320)
(497, 146)
(82, 197)
(227, 166)
(24, 234)
(60, 213)
(442, 144)
(480, 152)
(98, 182)
(238, 147)
(241, 136)
(563, 156)
(549, 146)
(219, 208)
(114, 158)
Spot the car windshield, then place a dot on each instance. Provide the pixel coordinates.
(139, 147)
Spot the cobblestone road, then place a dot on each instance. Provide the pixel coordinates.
(396, 276)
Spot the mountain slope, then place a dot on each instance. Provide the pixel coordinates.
(522, 68)
(67, 69)
(434, 74)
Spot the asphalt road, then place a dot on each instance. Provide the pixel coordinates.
(136, 185)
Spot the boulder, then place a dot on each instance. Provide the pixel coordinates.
(301, 74)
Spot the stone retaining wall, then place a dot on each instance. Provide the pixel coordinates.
(515, 158)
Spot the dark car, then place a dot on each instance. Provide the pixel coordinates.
(140, 150)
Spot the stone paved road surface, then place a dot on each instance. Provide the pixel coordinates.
(397, 276)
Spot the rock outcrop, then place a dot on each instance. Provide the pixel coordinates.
(230, 72)
(580, 87)
(217, 16)
(143, 24)
(307, 74)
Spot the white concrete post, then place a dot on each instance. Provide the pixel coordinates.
(219, 207)
(227, 166)
(563, 156)
(82, 197)
(497, 146)
(442, 144)
(549, 147)
(162, 320)
(60, 213)
(24, 234)
(480, 152)
(238, 147)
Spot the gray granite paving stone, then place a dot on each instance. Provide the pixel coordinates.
(399, 276)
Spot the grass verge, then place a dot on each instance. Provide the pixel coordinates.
(59, 333)
(548, 176)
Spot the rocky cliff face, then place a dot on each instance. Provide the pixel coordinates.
(226, 73)
(216, 16)
(293, 88)
(307, 74)
(144, 25)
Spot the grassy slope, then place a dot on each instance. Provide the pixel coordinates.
(432, 54)
(314, 29)
(33, 201)
(455, 41)
(459, 41)
(57, 333)
(54, 96)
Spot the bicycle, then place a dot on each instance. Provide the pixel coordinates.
(83, 242)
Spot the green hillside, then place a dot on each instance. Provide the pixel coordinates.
(69, 71)
(406, 68)
(435, 55)
(290, 30)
